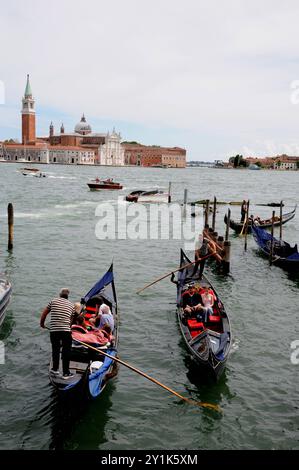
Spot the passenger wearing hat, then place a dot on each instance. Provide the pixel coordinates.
(62, 311)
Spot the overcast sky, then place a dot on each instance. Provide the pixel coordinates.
(213, 77)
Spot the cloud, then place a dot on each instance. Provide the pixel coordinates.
(219, 71)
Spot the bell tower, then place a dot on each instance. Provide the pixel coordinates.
(28, 116)
(51, 130)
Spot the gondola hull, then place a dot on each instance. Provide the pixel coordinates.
(92, 369)
(208, 342)
(5, 296)
(147, 196)
(238, 227)
(283, 255)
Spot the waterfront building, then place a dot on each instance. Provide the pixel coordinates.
(279, 162)
(154, 156)
(284, 162)
(112, 152)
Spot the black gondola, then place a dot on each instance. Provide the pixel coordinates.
(283, 254)
(266, 223)
(209, 341)
(92, 370)
(5, 295)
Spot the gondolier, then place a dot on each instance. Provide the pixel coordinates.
(201, 253)
(61, 310)
(243, 210)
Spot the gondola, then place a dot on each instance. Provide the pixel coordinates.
(284, 255)
(92, 370)
(5, 295)
(208, 341)
(266, 223)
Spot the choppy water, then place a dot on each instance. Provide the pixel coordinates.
(55, 245)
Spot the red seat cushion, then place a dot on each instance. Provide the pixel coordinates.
(214, 318)
(87, 316)
(193, 324)
(91, 309)
(195, 333)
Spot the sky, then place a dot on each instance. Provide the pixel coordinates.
(217, 78)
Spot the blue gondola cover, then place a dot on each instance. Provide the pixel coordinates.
(104, 281)
(96, 378)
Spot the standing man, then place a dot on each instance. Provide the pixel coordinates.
(61, 310)
(243, 210)
(200, 253)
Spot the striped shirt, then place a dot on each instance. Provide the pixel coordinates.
(61, 311)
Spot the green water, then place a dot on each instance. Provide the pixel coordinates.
(55, 245)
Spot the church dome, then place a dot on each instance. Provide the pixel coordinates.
(83, 127)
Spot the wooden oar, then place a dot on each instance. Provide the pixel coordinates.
(174, 271)
(188, 400)
(143, 374)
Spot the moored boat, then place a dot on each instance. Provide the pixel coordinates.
(98, 185)
(264, 223)
(147, 196)
(5, 295)
(283, 254)
(91, 369)
(209, 340)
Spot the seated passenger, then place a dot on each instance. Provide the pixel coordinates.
(191, 297)
(104, 317)
(192, 303)
(106, 330)
(208, 300)
(80, 325)
(78, 309)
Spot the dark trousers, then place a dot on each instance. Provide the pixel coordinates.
(58, 339)
(201, 265)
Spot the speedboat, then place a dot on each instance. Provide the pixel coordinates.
(30, 171)
(147, 196)
(97, 184)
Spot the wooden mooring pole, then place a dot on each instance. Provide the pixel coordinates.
(271, 244)
(214, 213)
(226, 257)
(246, 225)
(207, 209)
(227, 225)
(185, 200)
(220, 242)
(10, 225)
(280, 224)
(169, 192)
